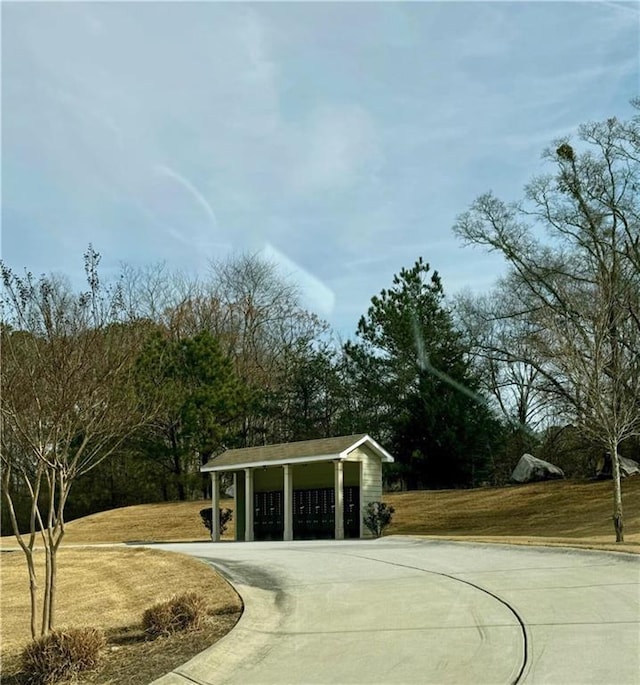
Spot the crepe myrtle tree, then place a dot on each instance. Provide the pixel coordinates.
(67, 404)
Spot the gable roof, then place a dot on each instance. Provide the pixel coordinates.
(304, 451)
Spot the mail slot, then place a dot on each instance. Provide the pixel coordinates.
(313, 514)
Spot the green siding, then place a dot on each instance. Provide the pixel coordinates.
(269, 479)
(315, 475)
(318, 475)
(362, 468)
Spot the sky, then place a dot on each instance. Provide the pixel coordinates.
(338, 140)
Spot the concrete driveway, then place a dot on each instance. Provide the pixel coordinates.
(405, 610)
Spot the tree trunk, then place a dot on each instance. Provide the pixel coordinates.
(27, 549)
(57, 533)
(205, 477)
(177, 466)
(206, 486)
(53, 576)
(33, 594)
(46, 602)
(618, 522)
(47, 541)
(182, 496)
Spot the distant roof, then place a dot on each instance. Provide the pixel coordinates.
(324, 449)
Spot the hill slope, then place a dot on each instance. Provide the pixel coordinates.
(564, 511)
(568, 510)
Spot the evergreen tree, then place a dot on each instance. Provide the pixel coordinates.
(415, 384)
(198, 398)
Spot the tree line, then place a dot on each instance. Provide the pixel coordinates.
(562, 329)
(126, 388)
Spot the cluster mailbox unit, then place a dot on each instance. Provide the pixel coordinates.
(301, 490)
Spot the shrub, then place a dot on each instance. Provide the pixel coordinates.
(377, 516)
(182, 612)
(62, 655)
(207, 517)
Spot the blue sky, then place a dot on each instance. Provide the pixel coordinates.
(338, 139)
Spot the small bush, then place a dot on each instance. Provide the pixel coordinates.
(62, 655)
(377, 516)
(207, 517)
(180, 613)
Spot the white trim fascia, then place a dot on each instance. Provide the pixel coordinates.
(377, 448)
(274, 462)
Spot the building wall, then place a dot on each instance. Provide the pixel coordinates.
(362, 468)
(269, 479)
(351, 473)
(305, 476)
(371, 487)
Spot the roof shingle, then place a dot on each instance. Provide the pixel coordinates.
(288, 451)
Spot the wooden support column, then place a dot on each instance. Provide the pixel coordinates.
(215, 506)
(288, 502)
(361, 530)
(235, 505)
(248, 503)
(339, 500)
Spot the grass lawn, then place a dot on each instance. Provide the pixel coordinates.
(110, 587)
(575, 513)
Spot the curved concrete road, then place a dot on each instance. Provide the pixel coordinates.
(405, 610)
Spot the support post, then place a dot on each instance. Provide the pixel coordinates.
(288, 502)
(215, 506)
(248, 503)
(339, 500)
(361, 530)
(235, 505)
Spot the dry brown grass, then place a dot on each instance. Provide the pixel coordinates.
(560, 512)
(110, 588)
(147, 522)
(63, 655)
(554, 512)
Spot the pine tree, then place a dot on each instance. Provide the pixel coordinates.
(410, 369)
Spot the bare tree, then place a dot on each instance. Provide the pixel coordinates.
(253, 311)
(577, 294)
(261, 325)
(67, 403)
(497, 344)
(179, 303)
(500, 354)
